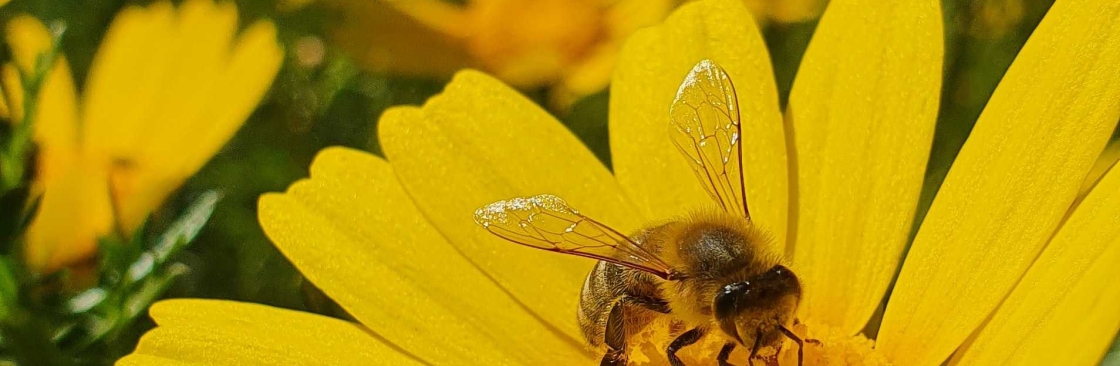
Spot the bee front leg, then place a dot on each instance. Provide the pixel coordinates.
(684, 340)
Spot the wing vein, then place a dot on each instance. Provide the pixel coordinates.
(705, 127)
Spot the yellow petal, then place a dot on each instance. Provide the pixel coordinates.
(250, 68)
(1012, 182)
(759, 9)
(627, 16)
(157, 135)
(122, 100)
(126, 72)
(532, 43)
(480, 142)
(207, 108)
(861, 116)
(791, 11)
(1109, 156)
(147, 360)
(193, 78)
(1068, 297)
(56, 120)
(591, 75)
(56, 123)
(29, 41)
(11, 100)
(444, 17)
(218, 332)
(592, 72)
(384, 37)
(651, 67)
(75, 209)
(74, 212)
(424, 291)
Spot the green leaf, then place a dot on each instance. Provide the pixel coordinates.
(9, 289)
(1113, 356)
(14, 218)
(187, 227)
(587, 119)
(133, 276)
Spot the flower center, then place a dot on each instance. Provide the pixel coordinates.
(823, 346)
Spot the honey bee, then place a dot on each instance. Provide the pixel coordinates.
(709, 274)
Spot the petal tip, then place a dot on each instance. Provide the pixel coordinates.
(334, 158)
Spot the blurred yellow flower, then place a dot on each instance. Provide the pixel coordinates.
(992, 19)
(1005, 269)
(785, 11)
(570, 45)
(167, 88)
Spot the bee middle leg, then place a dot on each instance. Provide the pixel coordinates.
(754, 350)
(725, 354)
(615, 334)
(796, 339)
(684, 340)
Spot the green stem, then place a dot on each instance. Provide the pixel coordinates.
(15, 156)
(28, 341)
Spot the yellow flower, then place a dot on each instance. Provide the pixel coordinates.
(1004, 270)
(568, 44)
(785, 11)
(168, 87)
(993, 19)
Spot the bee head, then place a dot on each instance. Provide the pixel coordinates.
(751, 311)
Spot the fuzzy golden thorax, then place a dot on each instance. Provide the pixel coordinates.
(731, 278)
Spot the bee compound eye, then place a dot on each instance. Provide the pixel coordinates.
(783, 279)
(727, 298)
(728, 304)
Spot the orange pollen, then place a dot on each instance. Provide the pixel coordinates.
(823, 346)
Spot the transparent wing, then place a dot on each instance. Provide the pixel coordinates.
(704, 124)
(547, 222)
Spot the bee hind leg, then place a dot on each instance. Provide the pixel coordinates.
(614, 358)
(684, 340)
(615, 334)
(615, 338)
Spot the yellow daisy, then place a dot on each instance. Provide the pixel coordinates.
(167, 88)
(568, 44)
(1005, 269)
